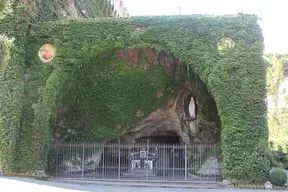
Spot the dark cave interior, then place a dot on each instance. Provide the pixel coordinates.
(161, 138)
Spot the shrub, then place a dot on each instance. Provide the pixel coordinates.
(278, 158)
(278, 177)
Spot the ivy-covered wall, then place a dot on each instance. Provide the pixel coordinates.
(235, 78)
(15, 19)
(17, 96)
(12, 62)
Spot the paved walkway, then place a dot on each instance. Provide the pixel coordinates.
(32, 185)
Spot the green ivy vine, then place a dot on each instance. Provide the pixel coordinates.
(235, 78)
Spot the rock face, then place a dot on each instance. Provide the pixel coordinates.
(211, 167)
(70, 11)
(75, 163)
(166, 120)
(179, 116)
(226, 183)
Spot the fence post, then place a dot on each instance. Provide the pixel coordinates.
(83, 158)
(119, 159)
(186, 159)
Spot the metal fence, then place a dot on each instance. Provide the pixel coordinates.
(137, 161)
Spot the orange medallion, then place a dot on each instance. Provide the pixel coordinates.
(46, 53)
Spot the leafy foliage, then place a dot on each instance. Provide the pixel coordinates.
(277, 114)
(3, 4)
(275, 74)
(2, 49)
(278, 157)
(236, 80)
(105, 98)
(11, 91)
(17, 137)
(278, 177)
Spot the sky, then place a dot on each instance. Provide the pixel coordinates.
(274, 13)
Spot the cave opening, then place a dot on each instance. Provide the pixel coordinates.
(160, 138)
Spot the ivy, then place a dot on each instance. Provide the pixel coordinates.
(106, 96)
(3, 5)
(11, 103)
(82, 76)
(19, 80)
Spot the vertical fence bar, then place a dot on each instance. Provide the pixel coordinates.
(83, 158)
(94, 153)
(200, 162)
(68, 156)
(119, 159)
(204, 158)
(213, 155)
(133, 170)
(57, 160)
(163, 166)
(173, 161)
(217, 156)
(147, 164)
(103, 160)
(186, 159)
(164, 160)
(74, 157)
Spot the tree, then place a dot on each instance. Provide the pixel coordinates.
(3, 5)
(277, 116)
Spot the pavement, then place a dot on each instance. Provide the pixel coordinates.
(13, 184)
(158, 184)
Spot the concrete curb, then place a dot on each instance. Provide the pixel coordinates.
(141, 184)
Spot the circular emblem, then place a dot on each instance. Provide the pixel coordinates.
(225, 44)
(46, 53)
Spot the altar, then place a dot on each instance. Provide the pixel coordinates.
(142, 161)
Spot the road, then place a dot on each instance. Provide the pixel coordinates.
(31, 185)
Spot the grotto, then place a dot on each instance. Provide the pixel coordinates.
(171, 112)
(177, 79)
(182, 110)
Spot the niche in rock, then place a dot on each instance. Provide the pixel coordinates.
(188, 111)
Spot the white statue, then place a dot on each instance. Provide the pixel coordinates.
(192, 109)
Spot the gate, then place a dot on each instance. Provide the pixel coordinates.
(137, 161)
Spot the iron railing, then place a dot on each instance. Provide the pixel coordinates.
(137, 161)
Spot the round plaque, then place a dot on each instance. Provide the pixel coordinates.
(46, 53)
